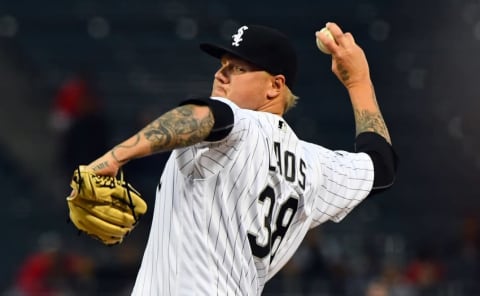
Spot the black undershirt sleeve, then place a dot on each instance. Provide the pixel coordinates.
(384, 158)
(222, 114)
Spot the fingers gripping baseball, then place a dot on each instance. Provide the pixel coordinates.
(104, 207)
(330, 38)
(348, 60)
(324, 37)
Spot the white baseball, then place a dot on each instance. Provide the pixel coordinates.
(320, 44)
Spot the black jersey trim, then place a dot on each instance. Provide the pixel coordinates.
(222, 114)
(384, 158)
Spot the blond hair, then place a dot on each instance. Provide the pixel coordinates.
(290, 100)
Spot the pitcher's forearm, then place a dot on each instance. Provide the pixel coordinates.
(368, 117)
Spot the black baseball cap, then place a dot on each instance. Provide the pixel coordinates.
(267, 48)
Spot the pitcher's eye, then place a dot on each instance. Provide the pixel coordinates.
(239, 69)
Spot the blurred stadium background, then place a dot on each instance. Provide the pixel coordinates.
(142, 58)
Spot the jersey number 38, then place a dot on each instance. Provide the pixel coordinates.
(272, 233)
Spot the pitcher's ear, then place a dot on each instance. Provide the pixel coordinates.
(276, 86)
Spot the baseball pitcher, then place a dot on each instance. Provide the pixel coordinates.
(240, 189)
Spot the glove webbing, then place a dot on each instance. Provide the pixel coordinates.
(130, 205)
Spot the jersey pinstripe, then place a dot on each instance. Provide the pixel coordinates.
(228, 215)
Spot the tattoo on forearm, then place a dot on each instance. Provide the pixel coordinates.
(124, 145)
(178, 128)
(370, 121)
(344, 75)
(100, 166)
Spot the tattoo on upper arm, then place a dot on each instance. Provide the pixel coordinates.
(178, 128)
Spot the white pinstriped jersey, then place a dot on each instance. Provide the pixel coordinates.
(229, 214)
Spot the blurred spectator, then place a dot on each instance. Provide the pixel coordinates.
(80, 128)
(425, 271)
(377, 288)
(51, 271)
(463, 255)
(391, 281)
(78, 119)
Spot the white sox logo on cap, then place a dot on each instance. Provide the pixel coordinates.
(237, 38)
(264, 47)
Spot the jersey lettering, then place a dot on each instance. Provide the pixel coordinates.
(276, 149)
(301, 181)
(289, 160)
(286, 163)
